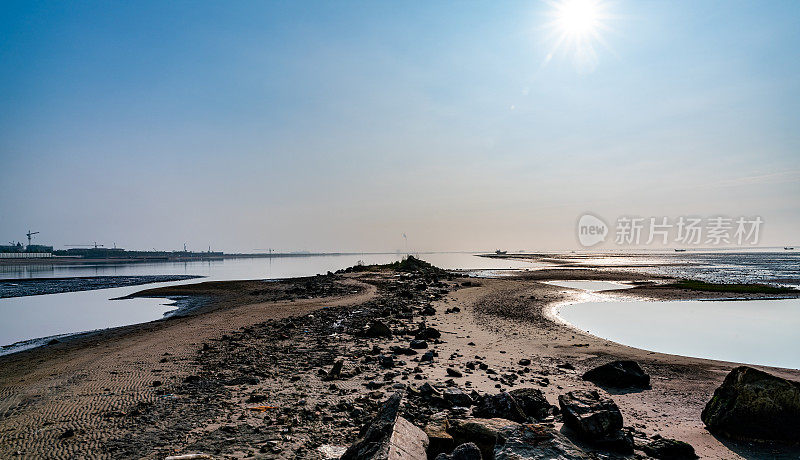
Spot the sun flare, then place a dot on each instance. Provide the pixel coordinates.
(578, 17)
(576, 28)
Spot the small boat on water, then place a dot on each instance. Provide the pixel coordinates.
(499, 252)
(788, 248)
(680, 250)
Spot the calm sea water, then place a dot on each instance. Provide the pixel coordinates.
(33, 317)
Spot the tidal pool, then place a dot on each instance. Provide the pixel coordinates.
(765, 332)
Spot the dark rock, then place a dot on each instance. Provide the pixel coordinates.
(595, 419)
(402, 350)
(68, 433)
(335, 372)
(427, 390)
(419, 344)
(157, 383)
(428, 311)
(532, 402)
(53, 341)
(427, 333)
(389, 436)
(567, 366)
(669, 449)
(524, 362)
(453, 373)
(466, 451)
(752, 404)
(456, 397)
(427, 356)
(377, 329)
(501, 405)
(192, 379)
(386, 361)
(619, 374)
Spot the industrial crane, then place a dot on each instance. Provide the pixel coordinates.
(29, 235)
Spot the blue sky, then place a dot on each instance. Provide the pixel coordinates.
(339, 126)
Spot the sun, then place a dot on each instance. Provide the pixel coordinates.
(578, 17)
(575, 29)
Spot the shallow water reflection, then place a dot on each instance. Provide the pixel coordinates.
(754, 331)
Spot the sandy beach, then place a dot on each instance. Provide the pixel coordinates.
(247, 373)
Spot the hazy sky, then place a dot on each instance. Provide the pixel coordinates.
(342, 125)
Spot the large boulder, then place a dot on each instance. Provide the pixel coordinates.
(501, 405)
(389, 436)
(669, 449)
(596, 419)
(619, 374)
(752, 404)
(532, 402)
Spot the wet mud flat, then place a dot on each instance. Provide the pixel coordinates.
(39, 286)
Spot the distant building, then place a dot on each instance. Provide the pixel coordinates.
(38, 248)
(18, 251)
(9, 248)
